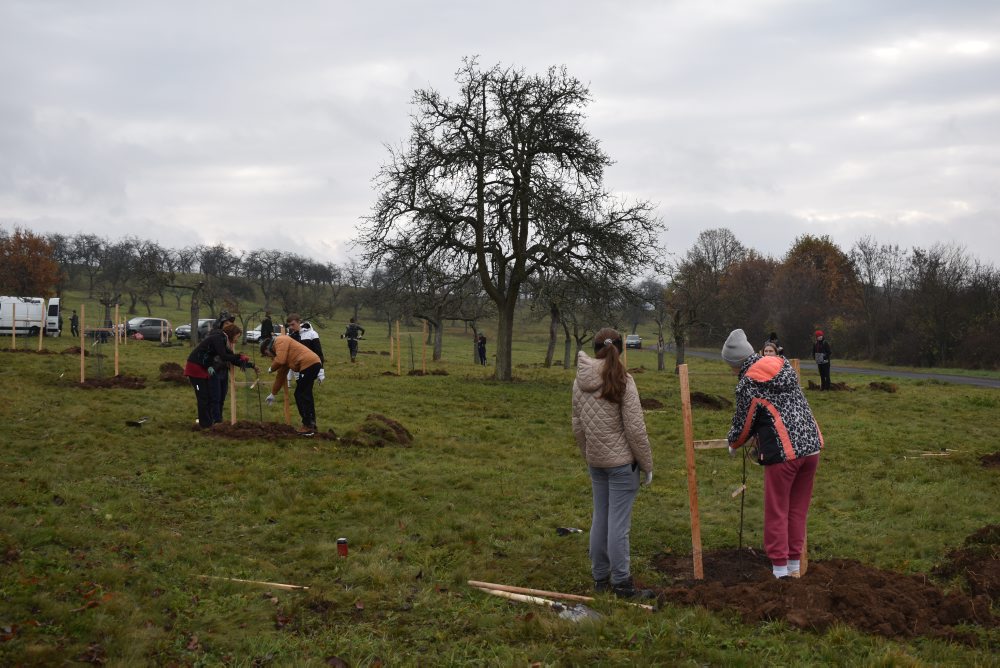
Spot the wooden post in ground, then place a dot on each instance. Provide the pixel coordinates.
(423, 348)
(41, 330)
(232, 394)
(804, 559)
(692, 481)
(288, 406)
(798, 372)
(399, 351)
(83, 328)
(13, 326)
(116, 339)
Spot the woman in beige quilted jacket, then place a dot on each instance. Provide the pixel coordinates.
(611, 433)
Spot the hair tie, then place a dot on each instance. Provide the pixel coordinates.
(608, 342)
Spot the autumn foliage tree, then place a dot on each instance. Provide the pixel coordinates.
(27, 265)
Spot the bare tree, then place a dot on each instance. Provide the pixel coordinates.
(507, 176)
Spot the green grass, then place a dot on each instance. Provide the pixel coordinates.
(106, 528)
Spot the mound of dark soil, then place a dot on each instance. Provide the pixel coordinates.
(74, 350)
(172, 372)
(889, 604)
(978, 562)
(837, 387)
(711, 401)
(638, 369)
(432, 372)
(991, 461)
(114, 382)
(385, 352)
(388, 373)
(884, 387)
(268, 431)
(378, 431)
(650, 404)
(32, 351)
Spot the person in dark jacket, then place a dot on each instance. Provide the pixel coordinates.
(353, 332)
(822, 353)
(481, 348)
(304, 333)
(74, 324)
(204, 363)
(771, 408)
(266, 326)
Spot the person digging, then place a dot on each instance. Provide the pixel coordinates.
(290, 355)
(770, 407)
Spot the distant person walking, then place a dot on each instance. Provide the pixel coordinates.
(610, 431)
(353, 332)
(290, 355)
(481, 348)
(266, 326)
(822, 353)
(771, 408)
(74, 324)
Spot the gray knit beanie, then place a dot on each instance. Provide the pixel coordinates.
(737, 348)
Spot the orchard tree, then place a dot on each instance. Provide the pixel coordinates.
(29, 267)
(507, 176)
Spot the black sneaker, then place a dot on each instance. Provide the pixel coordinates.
(627, 589)
(601, 586)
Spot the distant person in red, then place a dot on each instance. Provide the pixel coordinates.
(772, 411)
(822, 353)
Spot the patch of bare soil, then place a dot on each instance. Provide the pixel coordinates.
(172, 372)
(991, 461)
(114, 382)
(978, 562)
(892, 388)
(650, 404)
(75, 350)
(844, 591)
(836, 387)
(267, 431)
(432, 372)
(32, 351)
(711, 401)
(638, 369)
(378, 431)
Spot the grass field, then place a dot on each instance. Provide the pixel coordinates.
(106, 529)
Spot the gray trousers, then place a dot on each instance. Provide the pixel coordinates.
(615, 490)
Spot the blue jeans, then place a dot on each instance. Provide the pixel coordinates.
(615, 490)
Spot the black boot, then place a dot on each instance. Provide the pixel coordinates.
(601, 586)
(626, 589)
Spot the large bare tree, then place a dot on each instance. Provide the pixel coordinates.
(506, 175)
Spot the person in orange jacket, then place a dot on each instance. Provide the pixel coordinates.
(290, 355)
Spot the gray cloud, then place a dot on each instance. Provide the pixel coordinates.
(258, 125)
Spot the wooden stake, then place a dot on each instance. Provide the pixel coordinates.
(41, 330)
(116, 339)
(276, 585)
(804, 559)
(83, 328)
(13, 326)
(423, 348)
(711, 445)
(699, 573)
(541, 592)
(232, 394)
(399, 351)
(798, 372)
(288, 407)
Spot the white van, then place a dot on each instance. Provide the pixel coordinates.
(52, 320)
(23, 315)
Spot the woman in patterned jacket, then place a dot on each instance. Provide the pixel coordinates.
(770, 407)
(611, 434)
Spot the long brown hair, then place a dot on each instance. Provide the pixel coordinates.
(606, 347)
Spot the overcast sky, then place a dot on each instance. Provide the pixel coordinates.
(261, 124)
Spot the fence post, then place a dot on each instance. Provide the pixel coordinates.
(692, 481)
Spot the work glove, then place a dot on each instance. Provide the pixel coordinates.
(341, 336)
(732, 451)
(211, 371)
(647, 478)
(270, 370)
(322, 376)
(292, 375)
(270, 400)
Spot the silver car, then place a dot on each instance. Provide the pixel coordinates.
(149, 328)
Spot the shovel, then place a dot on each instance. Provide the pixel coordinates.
(137, 423)
(577, 613)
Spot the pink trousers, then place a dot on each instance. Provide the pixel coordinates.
(787, 492)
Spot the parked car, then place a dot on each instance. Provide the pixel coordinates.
(184, 331)
(253, 336)
(633, 341)
(149, 328)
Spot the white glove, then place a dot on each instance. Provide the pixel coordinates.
(732, 451)
(322, 376)
(292, 376)
(270, 370)
(270, 400)
(647, 478)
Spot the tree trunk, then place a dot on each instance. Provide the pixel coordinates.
(567, 349)
(505, 335)
(553, 323)
(438, 339)
(660, 352)
(679, 342)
